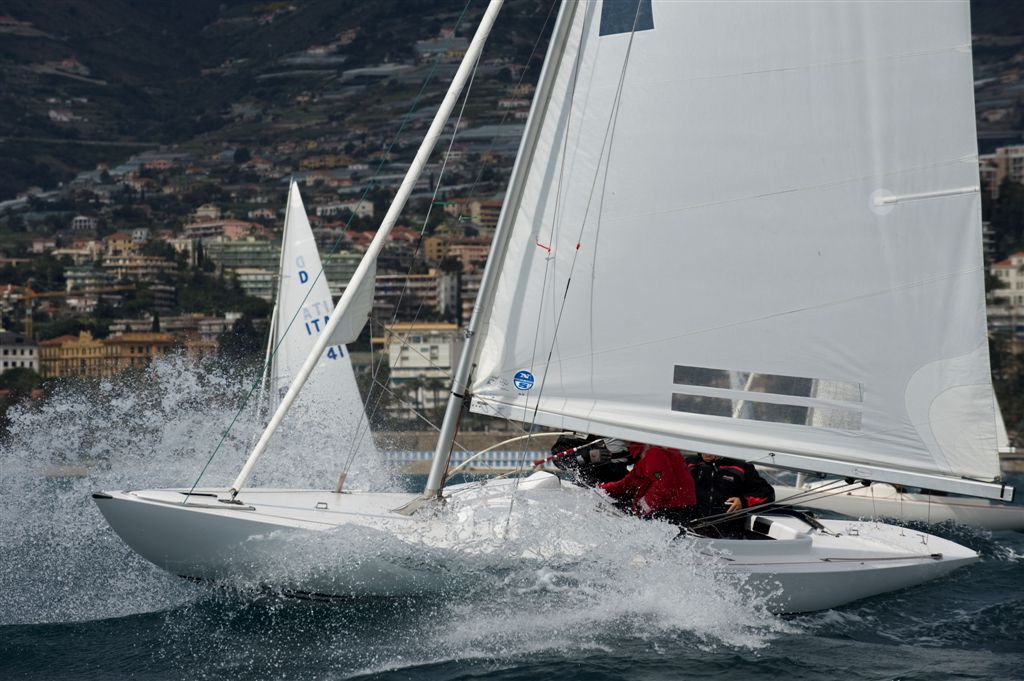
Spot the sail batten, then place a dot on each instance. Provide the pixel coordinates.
(798, 201)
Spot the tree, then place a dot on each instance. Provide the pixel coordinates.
(1007, 216)
(451, 264)
(20, 381)
(159, 248)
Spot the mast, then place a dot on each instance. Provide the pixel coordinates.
(367, 263)
(446, 436)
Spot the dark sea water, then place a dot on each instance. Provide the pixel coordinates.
(75, 603)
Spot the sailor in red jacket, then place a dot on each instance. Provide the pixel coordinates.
(659, 486)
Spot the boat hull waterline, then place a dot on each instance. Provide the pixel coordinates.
(885, 501)
(803, 569)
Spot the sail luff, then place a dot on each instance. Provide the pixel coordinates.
(369, 258)
(502, 233)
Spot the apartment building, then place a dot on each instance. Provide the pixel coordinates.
(84, 355)
(422, 357)
(17, 352)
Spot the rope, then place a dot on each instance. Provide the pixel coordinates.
(509, 441)
(444, 164)
(471, 190)
(334, 247)
(609, 131)
(821, 492)
(476, 181)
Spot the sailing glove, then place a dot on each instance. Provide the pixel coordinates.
(596, 455)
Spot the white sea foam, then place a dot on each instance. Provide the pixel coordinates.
(562, 576)
(159, 429)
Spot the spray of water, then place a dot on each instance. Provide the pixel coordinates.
(549, 585)
(542, 580)
(156, 429)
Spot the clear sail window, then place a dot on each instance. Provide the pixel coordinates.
(814, 402)
(620, 16)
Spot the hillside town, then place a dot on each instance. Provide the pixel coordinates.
(174, 248)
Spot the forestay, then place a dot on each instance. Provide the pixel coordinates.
(784, 192)
(304, 308)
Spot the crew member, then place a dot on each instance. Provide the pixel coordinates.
(725, 486)
(659, 485)
(605, 461)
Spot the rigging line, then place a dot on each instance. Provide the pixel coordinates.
(558, 200)
(371, 411)
(549, 259)
(605, 147)
(476, 181)
(493, 447)
(821, 492)
(380, 166)
(508, 112)
(384, 389)
(411, 406)
(353, 448)
(551, 234)
(364, 417)
(405, 345)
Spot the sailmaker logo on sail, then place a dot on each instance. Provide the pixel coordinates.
(523, 380)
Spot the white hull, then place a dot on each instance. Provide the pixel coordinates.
(260, 543)
(885, 501)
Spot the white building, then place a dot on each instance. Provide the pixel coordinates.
(18, 352)
(255, 281)
(83, 223)
(422, 357)
(1011, 272)
(207, 211)
(1005, 163)
(362, 209)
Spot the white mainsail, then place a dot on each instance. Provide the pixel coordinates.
(304, 307)
(800, 204)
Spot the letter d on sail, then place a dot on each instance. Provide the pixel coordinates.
(303, 277)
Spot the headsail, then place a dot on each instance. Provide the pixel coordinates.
(797, 203)
(303, 310)
(356, 292)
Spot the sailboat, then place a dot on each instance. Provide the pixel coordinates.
(881, 500)
(302, 310)
(787, 189)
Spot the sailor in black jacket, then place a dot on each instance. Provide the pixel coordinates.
(726, 486)
(607, 461)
